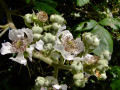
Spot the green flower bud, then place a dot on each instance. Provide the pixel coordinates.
(39, 81)
(91, 41)
(77, 65)
(78, 76)
(37, 36)
(37, 29)
(48, 46)
(102, 65)
(106, 55)
(28, 18)
(96, 41)
(80, 83)
(48, 38)
(56, 26)
(57, 18)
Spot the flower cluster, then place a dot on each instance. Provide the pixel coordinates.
(50, 38)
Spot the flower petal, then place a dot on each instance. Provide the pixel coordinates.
(30, 50)
(39, 45)
(29, 34)
(67, 55)
(56, 86)
(20, 59)
(14, 34)
(6, 48)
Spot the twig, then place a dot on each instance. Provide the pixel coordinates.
(3, 32)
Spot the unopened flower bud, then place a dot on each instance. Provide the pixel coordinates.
(48, 46)
(77, 65)
(78, 76)
(96, 41)
(90, 40)
(80, 83)
(37, 29)
(106, 55)
(56, 26)
(102, 65)
(37, 36)
(48, 38)
(57, 18)
(28, 18)
(39, 81)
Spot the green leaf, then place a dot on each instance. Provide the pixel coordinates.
(45, 7)
(114, 23)
(27, 1)
(86, 26)
(50, 2)
(115, 85)
(82, 2)
(106, 42)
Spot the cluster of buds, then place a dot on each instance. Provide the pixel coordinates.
(91, 41)
(48, 83)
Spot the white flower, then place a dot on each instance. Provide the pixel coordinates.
(20, 38)
(6, 48)
(20, 59)
(61, 87)
(66, 45)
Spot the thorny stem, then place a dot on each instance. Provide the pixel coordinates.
(49, 61)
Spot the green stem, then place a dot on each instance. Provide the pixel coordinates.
(49, 61)
(56, 71)
(3, 32)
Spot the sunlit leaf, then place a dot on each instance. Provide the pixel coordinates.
(86, 26)
(106, 42)
(114, 23)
